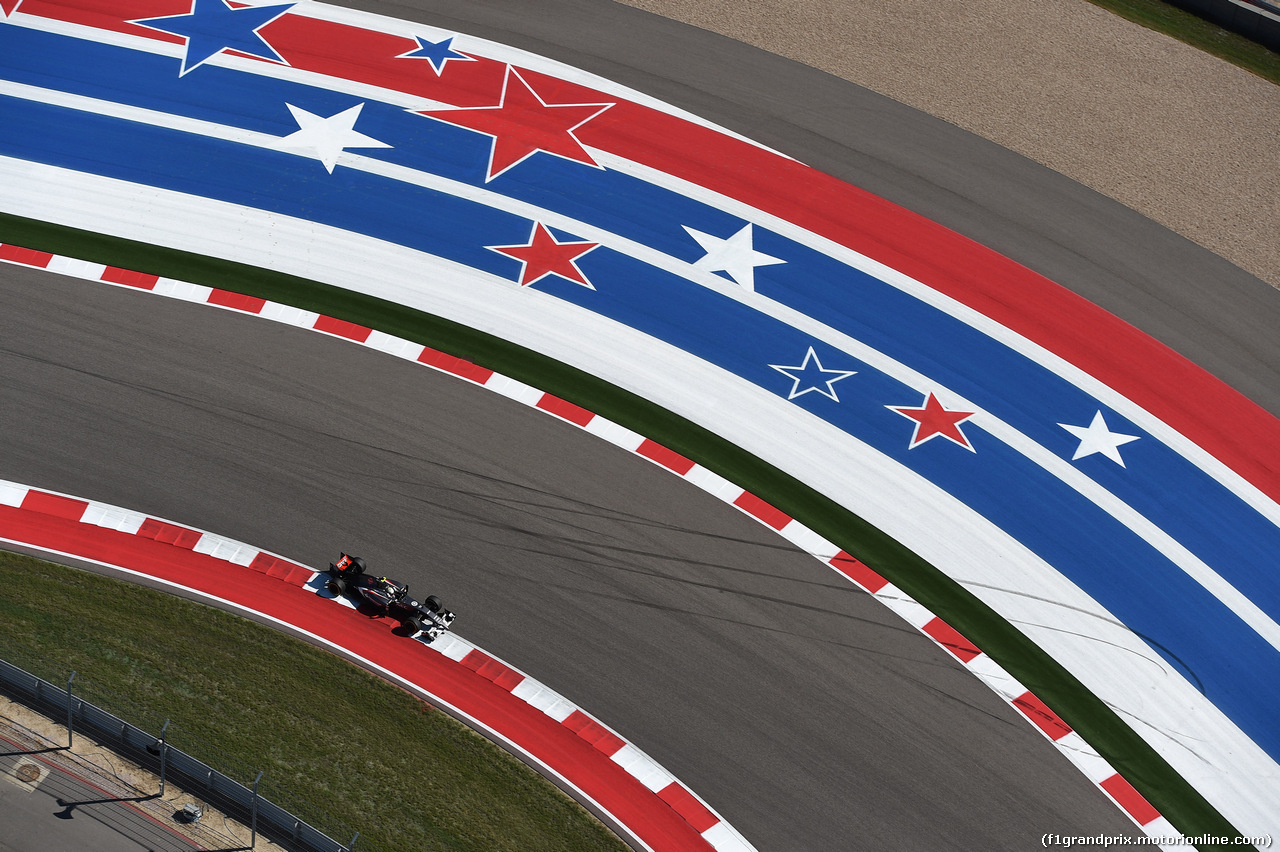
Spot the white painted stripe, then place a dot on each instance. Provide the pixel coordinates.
(809, 541)
(12, 494)
(395, 346)
(725, 839)
(614, 433)
(452, 646)
(907, 609)
(289, 315)
(713, 483)
(182, 290)
(513, 389)
(642, 767)
(544, 699)
(113, 518)
(226, 549)
(996, 677)
(77, 268)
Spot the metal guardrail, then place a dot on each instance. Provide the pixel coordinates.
(155, 754)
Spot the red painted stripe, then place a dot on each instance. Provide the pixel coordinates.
(687, 805)
(263, 562)
(753, 505)
(604, 740)
(342, 328)
(669, 459)
(589, 769)
(563, 408)
(1043, 718)
(457, 366)
(494, 671)
(950, 638)
(298, 575)
(167, 533)
(1130, 799)
(237, 301)
(281, 570)
(55, 505)
(116, 275)
(27, 256)
(857, 572)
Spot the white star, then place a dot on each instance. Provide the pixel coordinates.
(734, 256)
(1097, 438)
(812, 385)
(326, 138)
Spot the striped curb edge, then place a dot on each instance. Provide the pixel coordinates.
(695, 811)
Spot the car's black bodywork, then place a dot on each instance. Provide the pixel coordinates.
(348, 577)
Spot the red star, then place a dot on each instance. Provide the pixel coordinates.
(8, 7)
(523, 124)
(543, 256)
(932, 419)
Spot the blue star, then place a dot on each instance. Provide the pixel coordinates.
(809, 376)
(212, 27)
(436, 52)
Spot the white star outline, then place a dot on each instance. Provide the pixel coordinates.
(812, 356)
(326, 139)
(1097, 438)
(734, 255)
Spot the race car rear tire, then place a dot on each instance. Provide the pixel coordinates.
(337, 586)
(357, 566)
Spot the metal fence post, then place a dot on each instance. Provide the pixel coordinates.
(352, 845)
(253, 817)
(164, 751)
(70, 707)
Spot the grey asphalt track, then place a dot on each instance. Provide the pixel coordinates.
(809, 717)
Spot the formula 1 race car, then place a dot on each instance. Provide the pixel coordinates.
(347, 577)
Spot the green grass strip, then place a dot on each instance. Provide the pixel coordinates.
(339, 747)
(1176, 799)
(1199, 33)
